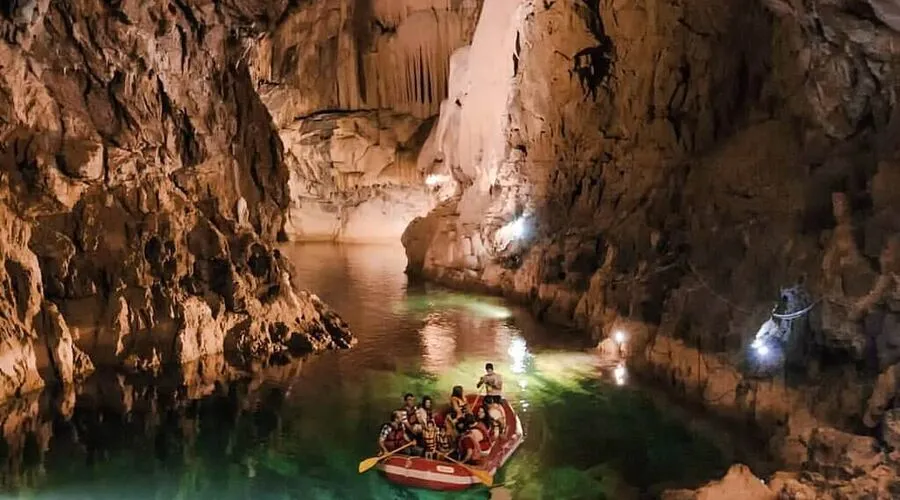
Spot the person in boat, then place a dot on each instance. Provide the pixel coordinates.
(393, 435)
(493, 383)
(430, 440)
(474, 443)
(410, 417)
(489, 422)
(458, 410)
(425, 411)
(444, 442)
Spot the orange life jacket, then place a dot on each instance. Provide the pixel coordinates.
(430, 439)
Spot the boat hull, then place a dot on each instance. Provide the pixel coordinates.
(419, 472)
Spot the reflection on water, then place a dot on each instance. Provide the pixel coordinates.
(298, 430)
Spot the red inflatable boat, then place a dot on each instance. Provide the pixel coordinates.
(418, 472)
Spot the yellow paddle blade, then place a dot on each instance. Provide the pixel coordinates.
(483, 476)
(368, 464)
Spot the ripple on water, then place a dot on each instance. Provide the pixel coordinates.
(299, 430)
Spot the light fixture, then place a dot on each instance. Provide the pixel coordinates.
(762, 350)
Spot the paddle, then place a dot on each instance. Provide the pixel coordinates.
(370, 462)
(482, 476)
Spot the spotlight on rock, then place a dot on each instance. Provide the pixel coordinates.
(435, 179)
(518, 228)
(619, 374)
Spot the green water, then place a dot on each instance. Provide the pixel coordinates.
(298, 430)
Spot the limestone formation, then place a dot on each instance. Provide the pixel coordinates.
(679, 165)
(352, 88)
(142, 181)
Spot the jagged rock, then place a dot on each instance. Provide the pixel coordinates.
(354, 177)
(842, 455)
(353, 130)
(892, 428)
(67, 361)
(129, 134)
(738, 484)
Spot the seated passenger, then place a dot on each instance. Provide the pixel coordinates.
(425, 412)
(444, 443)
(474, 444)
(393, 435)
(458, 410)
(430, 440)
(489, 422)
(409, 409)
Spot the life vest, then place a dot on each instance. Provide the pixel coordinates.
(443, 442)
(429, 437)
(463, 406)
(395, 439)
(411, 415)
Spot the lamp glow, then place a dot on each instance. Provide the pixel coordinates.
(435, 179)
(619, 374)
(620, 337)
(518, 228)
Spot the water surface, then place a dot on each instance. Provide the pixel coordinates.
(298, 430)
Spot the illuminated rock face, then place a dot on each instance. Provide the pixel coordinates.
(680, 165)
(141, 182)
(352, 87)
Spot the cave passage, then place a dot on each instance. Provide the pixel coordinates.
(297, 430)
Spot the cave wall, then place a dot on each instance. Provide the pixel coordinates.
(675, 165)
(150, 177)
(353, 87)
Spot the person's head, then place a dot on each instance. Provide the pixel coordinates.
(470, 420)
(396, 418)
(457, 391)
(489, 367)
(430, 425)
(409, 399)
(426, 402)
(481, 414)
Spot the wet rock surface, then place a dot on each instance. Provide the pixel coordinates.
(668, 172)
(142, 182)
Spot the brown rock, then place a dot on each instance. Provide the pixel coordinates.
(738, 484)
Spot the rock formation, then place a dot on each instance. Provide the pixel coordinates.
(141, 180)
(665, 169)
(352, 87)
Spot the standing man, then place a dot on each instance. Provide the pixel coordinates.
(494, 384)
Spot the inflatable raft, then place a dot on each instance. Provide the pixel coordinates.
(419, 472)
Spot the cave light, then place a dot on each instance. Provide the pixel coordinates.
(761, 348)
(435, 179)
(619, 374)
(620, 337)
(518, 228)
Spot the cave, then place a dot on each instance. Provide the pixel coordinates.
(235, 234)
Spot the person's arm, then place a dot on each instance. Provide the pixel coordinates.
(498, 383)
(381, 437)
(480, 383)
